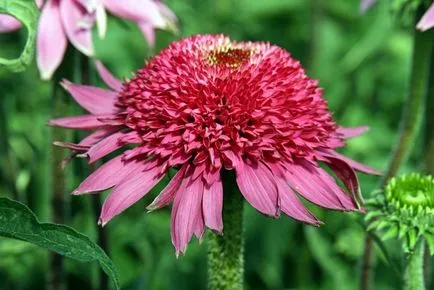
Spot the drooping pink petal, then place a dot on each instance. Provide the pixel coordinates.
(307, 184)
(326, 181)
(85, 122)
(105, 146)
(212, 205)
(97, 136)
(292, 206)
(138, 11)
(347, 133)
(72, 146)
(348, 177)
(108, 77)
(8, 23)
(258, 186)
(148, 31)
(130, 190)
(109, 175)
(51, 40)
(354, 164)
(199, 228)
(73, 17)
(168, 193)
(95, 8)
(365, 4)
(427, 20)
(94, 100)
(185, 210)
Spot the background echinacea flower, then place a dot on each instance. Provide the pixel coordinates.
(425, 23)
(207, 104)
(72, 20)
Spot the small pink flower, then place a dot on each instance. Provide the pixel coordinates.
(73, 20)
(207, 104)
(425, 23)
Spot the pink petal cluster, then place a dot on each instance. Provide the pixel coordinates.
(425, 23)
(72, 20)
(207, 104)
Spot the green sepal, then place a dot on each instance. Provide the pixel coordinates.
(391, 232)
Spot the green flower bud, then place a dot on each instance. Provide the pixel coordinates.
(405, 210)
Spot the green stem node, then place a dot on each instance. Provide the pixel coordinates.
(226, 252)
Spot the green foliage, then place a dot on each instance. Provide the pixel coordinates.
(27, 12)
(18, 222)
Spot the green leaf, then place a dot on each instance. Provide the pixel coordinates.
(26, 12)
(323, 252)
(17, 221)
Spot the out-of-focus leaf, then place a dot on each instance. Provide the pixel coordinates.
(18, 222)
(26, 12)
(323, 253)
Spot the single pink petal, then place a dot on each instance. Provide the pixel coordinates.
(72, 146)
(108, 78)
(348, 177)
(327, 182)
(258, 187)
(185, 210)
(108, 175)
(138, 11)
(365, 4)
(354, 164)
(199, 228)
(168, 193)
(73, 17)
(105, 146)
(292, 206)
(130, 190)
(427, 20)
(307, 184)
(94, 100)
(149, 32)
(97, 136)
(51, 40)
(352, 132)
(212, 205)
(8, 23)
(85, 122)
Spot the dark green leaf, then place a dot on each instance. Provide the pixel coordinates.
(18, 222)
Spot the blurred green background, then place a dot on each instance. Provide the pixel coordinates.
(361, 61)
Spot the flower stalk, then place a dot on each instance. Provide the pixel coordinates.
(414, 274)
(226, 252)
(60, 107)
(410, 123)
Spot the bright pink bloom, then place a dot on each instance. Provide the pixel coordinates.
(207, 104)
(73, 20)
(425, 23)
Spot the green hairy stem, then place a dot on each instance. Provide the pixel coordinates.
(414, 274)
(225, 252)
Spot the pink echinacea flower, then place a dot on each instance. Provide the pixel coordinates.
(207, 104)
(72, 20)
(425, 23)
